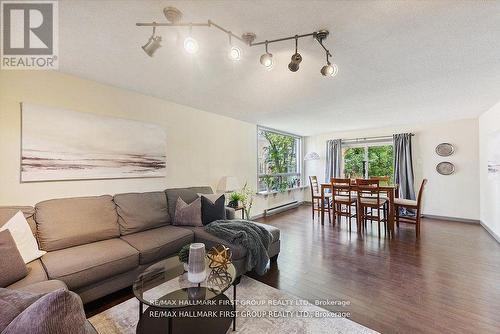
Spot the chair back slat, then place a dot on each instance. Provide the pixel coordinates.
(368, 189)
(313, 183)
(341, 187)
(383, 180)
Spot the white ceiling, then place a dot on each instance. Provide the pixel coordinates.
(399, 62)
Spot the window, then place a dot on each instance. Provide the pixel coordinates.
(367, 160)
(279, 160)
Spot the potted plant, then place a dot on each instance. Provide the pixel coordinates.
(247, 200)
(234, 199)
(184, 256)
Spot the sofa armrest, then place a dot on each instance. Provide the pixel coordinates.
(230, 213)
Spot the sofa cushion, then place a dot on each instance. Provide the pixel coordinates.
(86, 264)
(68, 222)
(44, 287)
(12, 266)
(275, 232)
(159, 243)
(200, 235)
(7, 212)
(36, 274)
(46, 315)
(141, 211)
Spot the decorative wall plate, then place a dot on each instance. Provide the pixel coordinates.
(445, 149)
(445, 168)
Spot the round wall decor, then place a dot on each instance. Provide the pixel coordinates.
(445, 168)
(445, 149)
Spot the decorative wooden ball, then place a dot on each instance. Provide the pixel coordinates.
(220, 257)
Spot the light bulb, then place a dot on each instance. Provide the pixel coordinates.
(191, 45)
(234, 53)
(329, 70)
(267, 60)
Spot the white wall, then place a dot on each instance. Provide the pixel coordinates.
(201, 147)
(489, 122)
(455, 195)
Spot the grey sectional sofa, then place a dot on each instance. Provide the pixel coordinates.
(98, 245)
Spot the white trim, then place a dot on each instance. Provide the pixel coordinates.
(490, 231)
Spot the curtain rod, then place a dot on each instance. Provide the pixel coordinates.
(370, 138)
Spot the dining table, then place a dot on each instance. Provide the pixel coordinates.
(390, 190)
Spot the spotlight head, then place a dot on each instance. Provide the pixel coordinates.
(191, 45)
(329, 70)
(267, 60)
(152, 45)
(294, 64)
(234, 53)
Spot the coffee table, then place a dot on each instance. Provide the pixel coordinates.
(174, 304)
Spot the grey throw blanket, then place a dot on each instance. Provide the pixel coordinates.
(253, 237)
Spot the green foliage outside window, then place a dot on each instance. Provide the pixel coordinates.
(353, 162)
(380, 161)
(280, 157)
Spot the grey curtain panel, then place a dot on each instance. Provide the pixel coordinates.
(333, 158)
(403, 165)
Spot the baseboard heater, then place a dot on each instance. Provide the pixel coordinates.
(281, 208)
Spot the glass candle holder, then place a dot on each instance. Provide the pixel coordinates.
(197, 272)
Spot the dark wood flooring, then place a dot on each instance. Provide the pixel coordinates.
(446, 282)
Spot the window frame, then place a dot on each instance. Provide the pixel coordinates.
(300, 158)
(364, 144)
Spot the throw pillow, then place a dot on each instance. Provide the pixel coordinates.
(58, 312)
(188, 214)
(12, 266)
(12, 303)
(212, 210)
(22, 235)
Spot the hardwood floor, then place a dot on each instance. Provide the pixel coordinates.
(446, 282)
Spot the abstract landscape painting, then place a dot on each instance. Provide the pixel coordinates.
(62, 144)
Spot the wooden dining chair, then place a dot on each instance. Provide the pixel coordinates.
(400, 203)
(316, 198)
(383, 180)
(370, 202)
(343, 201)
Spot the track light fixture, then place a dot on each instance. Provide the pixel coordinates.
(152, 44)
(329, 70)
(234, 52)
(296, 58)
(174, 16)
(267, 59)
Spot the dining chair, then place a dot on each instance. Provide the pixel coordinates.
(369, 198)
(400, 203)
(383, 180)
(343, 200)
(316, 198)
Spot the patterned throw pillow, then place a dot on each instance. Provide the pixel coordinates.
(212, 209)
(188, 214)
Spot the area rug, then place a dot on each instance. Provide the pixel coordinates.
(283, 314)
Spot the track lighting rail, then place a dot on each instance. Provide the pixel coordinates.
(211, 23)
(174, 18)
